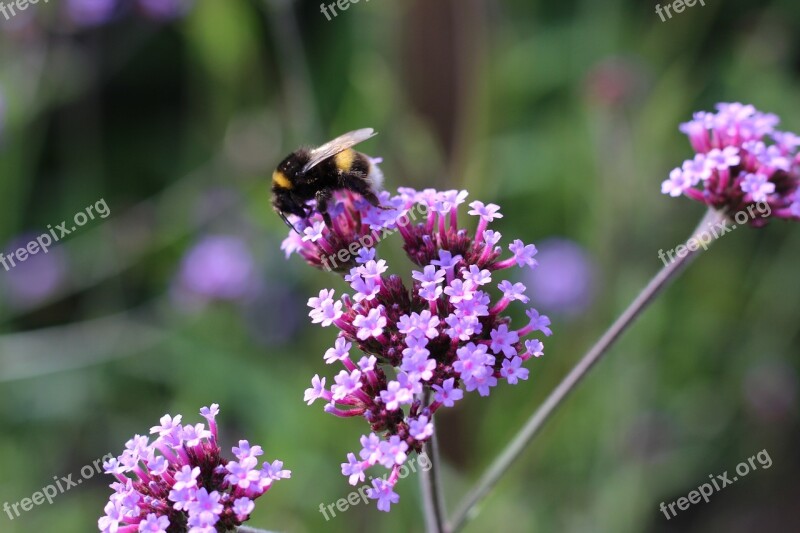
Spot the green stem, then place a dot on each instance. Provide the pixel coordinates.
(531, 428)
(431, 488)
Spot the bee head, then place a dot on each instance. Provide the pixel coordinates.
(284, 202)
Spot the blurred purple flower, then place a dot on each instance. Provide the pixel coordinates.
(91, 12)
(165, 9)
(564, 280)
(218, 267)
(36, 279)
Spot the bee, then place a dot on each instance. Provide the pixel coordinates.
(317, 172)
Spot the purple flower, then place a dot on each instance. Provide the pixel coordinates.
(446, 261)
(741, 159)
(534, 347)
(429, 274)
(347, 383)
(513, 292)
(421, 429)
(339, 352)
(757, 186)
(324, 310)
(513, 370)
(353, 469)
(476, 276)
(396, 395)
(425, 344)
(242, 507)
(154, 524)
(384, 493)
(504, 341)
(91, 12)
(181, 478)
(679, 180)
(219, 267)
(314, 232)
(36, 280)
(523, 254)
(371, 325)
(538, 322)
(447, 394)
(487, 212)
(564, 281)
(459, 291)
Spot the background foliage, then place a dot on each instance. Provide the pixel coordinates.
(565, 113)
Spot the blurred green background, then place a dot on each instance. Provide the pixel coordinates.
(564, 113)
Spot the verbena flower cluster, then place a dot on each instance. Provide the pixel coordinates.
(421, 343)
(741, 159)
(180, 482)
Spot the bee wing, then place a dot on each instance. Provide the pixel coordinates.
(339, 144)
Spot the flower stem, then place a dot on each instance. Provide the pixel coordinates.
(245, 529)
(531, 428)
(431, 488)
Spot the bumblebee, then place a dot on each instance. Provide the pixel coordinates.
(317, 172)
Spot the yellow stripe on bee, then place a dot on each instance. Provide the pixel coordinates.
(344, 160)
(280, 179)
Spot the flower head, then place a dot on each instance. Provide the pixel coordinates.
(741, 160)
(180, 481)
(426, 343)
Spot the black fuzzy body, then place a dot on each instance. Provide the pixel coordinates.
(347, 170)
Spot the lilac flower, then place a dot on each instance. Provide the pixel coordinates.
(357, 226)
(504, 341)
(384, 493)
(487, 212)
(36, 280)
(347, 383)
(339, 352)
(447, 394)
(679, 180)
(429, 274)
(533, 348)
(395, 395)
(243, 507)
(513, 370)
(565, 279)
(314, 232)
(188, 482)
(741, 159)
(446, 261)
(218, 267)
(324, 310)
(370, 325)
(154, 524)
(421, 429)
(757, 186)
(513, 292)
(91, 12)
(423, 345)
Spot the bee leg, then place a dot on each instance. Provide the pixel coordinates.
(323, 197)
(357, 182)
